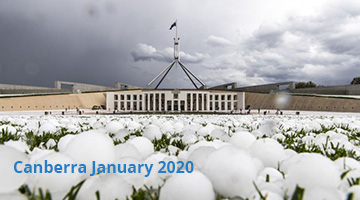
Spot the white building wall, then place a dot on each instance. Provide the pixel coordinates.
(154, 106)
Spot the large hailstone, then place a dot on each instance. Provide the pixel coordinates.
(10, 180)
(54, 181)
(143, 145)
(114, 126)
(193, 185)
(231, 171)
(91, 146)
(152, 132)
(126, 150)
(64, 141)
(269, 151)
(110, 186)
(47, 127)
(312, 170)
(355, 192)
(242, 139)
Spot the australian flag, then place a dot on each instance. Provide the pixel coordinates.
(172, 25)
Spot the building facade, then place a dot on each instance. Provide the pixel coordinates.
(175, 101)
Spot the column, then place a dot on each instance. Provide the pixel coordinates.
(154, 108)
(191, 102)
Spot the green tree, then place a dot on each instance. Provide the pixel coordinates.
(308, 84)
(355, 81)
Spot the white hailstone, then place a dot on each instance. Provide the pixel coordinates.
(346, 163)
(178, 126)
(189, 139)
(218, 133)
(355, 192)
(64, 141)
(275, 188)
(114, 126)
(10, 180)
(232, 171)
(18, 145)
(109, 186)
(242, 140)
(269, 151)
(54, 182)
(203, 131)
(272, 173)
(216, 144)
(193, 185)
(120, 134)
(167, 127)
(7, 128)
(127, 150)
(143, 145)
(47, 128)
(183, 155)
(268, 127)
(172, 149)
(289, 153)
(312, 170)
(268, 194)
(99, 125)
(16, 195)
(152, 132)
(135, 179)
(31, 126)
(199, 156)
(258, 134)
(37, 153)
(50, 143)
(133, 126)
(155, 179)
(91, 146)
(322, 193)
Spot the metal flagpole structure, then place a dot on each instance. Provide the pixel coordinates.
(176, 60)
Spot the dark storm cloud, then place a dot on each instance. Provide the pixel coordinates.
(103, 42)
(302, 48)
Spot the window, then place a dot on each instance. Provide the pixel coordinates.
(116, 97)
(134, 97)
(235, 97)
(216, 97)
(222, 97)
(176, 95)
(122, 97)
(128, 97)
(229, 97)
(211, 97)
(140, 97)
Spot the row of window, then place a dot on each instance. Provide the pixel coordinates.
(135, 97)
(175, 105)
(68, 106)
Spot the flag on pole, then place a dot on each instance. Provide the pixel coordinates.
(172, 25)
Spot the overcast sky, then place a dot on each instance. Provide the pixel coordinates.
(243, 41)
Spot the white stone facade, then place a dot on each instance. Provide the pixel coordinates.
(175, 101)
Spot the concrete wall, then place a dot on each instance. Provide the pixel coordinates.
(268, 88)
(271, 101)
(82, 87)
(52, 102)
(335, 90)
(21, 87)
(225, 86)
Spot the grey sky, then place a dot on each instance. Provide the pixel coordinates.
(248, 42)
